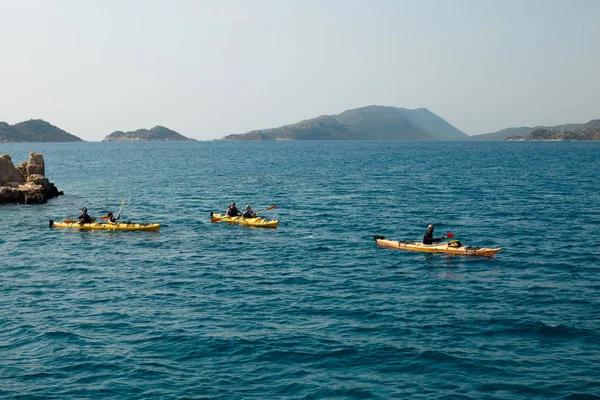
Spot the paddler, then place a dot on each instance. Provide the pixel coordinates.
(111, 219)
(248, 213)
(84, 218)
(232, 211)
(428, 237)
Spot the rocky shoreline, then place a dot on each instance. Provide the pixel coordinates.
(26, 183)
(589, 132)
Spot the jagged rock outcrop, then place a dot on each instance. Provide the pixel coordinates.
(8, 172)
(26, 183)
(35, 165)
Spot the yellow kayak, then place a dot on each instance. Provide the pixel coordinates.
(257, 221)
(105, 226)
(451, 247)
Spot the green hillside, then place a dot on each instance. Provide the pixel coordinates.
(35, 130)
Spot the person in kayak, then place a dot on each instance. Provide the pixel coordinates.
(248, 213)
(232, 211)
(111, 219)
(84, 217)
(428, 237)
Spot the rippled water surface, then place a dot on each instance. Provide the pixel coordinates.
(312, 309)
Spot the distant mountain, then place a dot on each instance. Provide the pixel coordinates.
(34, 130)
(156, 134)
(323, 127)
(587, 132)
(522, 131)
(366, 123)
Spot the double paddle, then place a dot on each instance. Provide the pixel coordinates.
(105, 217)
(118, 215)
(449, 235)
(72, 221)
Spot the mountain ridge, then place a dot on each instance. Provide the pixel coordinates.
(364, 123)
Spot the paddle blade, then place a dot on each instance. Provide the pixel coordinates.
(68, 221)
(449, 235)
(104, 217)
(266, 209)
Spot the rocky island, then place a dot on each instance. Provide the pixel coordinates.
(26, 183)
(589, 132)
(34, 130)
(156, 134)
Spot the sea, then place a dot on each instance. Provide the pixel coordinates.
(313, 309)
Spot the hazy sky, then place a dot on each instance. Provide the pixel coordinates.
(210, 68)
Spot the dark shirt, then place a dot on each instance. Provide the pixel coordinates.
(248, 214)
(112, 220)
(84, 219)
(232, 212)
(429, 239)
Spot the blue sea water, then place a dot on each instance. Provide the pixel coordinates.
(312, 309)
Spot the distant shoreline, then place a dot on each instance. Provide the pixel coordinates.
(440, 142)
(372, 122)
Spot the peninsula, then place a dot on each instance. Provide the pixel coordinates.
(365, 123)
(34, 130)
(589, 132)
(156, 134)
(521, 131)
